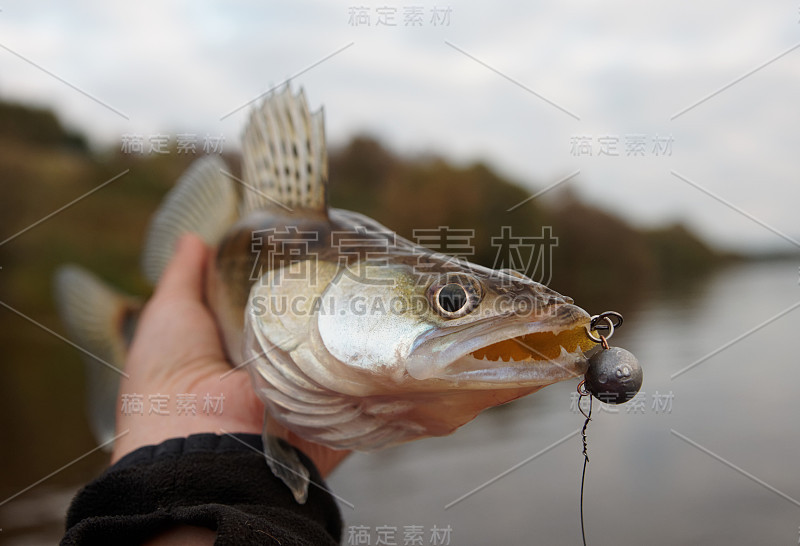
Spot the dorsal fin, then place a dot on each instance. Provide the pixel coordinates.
(285, 159)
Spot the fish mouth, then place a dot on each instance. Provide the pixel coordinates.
(538, 358)
(508, 352)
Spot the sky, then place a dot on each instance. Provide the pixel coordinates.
(658, 112)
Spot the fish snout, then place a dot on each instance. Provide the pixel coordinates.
(569, 314)
(542, 302)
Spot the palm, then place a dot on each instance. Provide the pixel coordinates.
(177, 349)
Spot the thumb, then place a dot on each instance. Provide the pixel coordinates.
(185, 273)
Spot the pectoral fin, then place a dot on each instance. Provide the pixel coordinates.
(282, 459)
(203, 202)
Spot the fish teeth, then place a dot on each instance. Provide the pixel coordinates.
(568, 357)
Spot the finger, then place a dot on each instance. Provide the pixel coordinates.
(185, 272)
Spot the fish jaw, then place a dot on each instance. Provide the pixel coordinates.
(507, 351)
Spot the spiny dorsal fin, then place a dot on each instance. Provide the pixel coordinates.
(285, 160)
(101, 321)
(202, 202)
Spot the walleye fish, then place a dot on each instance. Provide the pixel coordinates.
(354, 337)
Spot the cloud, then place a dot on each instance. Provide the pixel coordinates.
(622, 67)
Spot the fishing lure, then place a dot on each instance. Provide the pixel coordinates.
(614, 376)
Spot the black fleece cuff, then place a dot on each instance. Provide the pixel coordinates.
(219, 482)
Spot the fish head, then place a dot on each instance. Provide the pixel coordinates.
(500, 329)
(383, 350)
(455, 326)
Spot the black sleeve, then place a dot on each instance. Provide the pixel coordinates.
(219, 482)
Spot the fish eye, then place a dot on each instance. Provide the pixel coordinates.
(452, 297)
(455, 295)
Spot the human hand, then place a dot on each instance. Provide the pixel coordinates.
(177, 350)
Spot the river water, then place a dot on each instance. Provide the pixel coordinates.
(708, 455)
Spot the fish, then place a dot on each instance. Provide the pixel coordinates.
(354, 337)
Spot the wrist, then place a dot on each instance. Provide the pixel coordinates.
(148, 430)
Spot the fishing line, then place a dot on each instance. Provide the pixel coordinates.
(581, 393)
(613, 376)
